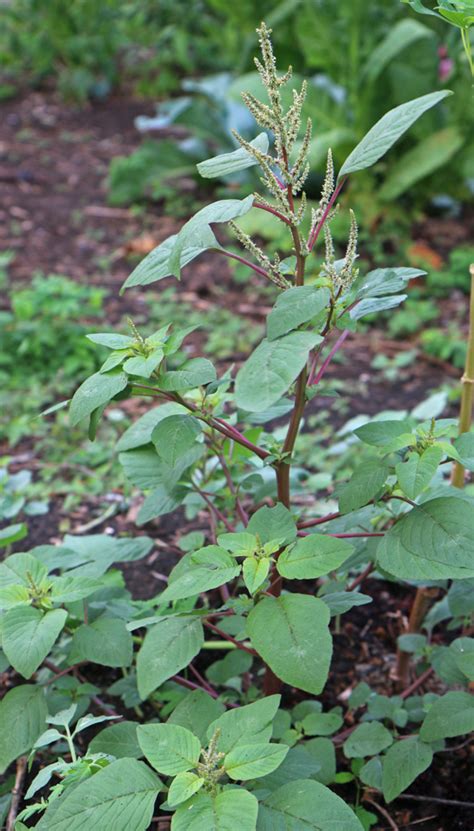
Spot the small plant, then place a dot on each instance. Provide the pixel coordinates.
(265, 577)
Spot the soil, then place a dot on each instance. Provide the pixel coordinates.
(54, 216)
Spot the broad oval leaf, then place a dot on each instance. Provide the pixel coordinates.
(119, 740)
(294, 307)
(402, 763)
(249, 724)
(313, 556)
(366, 482)
(388, 130)
(271, 369)
(305, 805)
(120, 796)
(171, 749)
(155, 266)
(434, 541)
(105, 641)
(28, 636)
(183, 786)
(175, 435)
(168, 647)
(250, 761)
(97, 390)
(415, 474)
(226, 811)
(23, 714)
(449, 716)
(291, 634)
(368, 739)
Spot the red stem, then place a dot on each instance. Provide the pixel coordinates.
(310, 523)
(316, 379)
(272, 211)
(229, 638)
(256, 268)
(317, 229)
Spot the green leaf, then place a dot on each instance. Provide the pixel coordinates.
(449, 716)
(23, 714)
(228, 163)
(68, 589)
(119, 740)
(372, 305)
(235, 663)
(383, 281)
(388, 130)
(294, 307)
(183, 787)
(140, 432)
(271, 369)
(382, 433)
(174, 436)
(434, 541)
(168, 647)
(28, 636)
(155, 266)
(240, 542)
(465, 447)
(427, 156)
(416, 473)
(120, 796)
(169, 748)
(250, 761)
(194, 373)
(20, 569)
(206, 569)
(142, 366)
(321, 751)
(463, 652)
(340, 602)
(291, 634)
(12, 533)
(226, 811)
(111, 340)
(305, 805)
(273, 524)
(313, 556)
(366, 482)
(321, 724)
(196, 233)
(255, 572)
(368, 739)
(197, 711)
(249, 724)
(96, 390)
(106, 641)
(161, 501)
(403, 762)
(399, 38)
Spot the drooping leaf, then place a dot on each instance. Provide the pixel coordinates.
(169, 748)
(23, 714)
(434, 541)
(120, 796)
(196, 233)
(465, 447)
(313, 556)
(305, 805)
(388, 130)
(371, 305)
(96, 390)
(230, 809)
(111, 340)
(168, 647)
(28, 635)
(291, 634)
(384, 281)
(140, 432)
(448, 716)
(227, 163)
(155, 266)
(294, 307)
(194, 373)
(402, 763)
(271, 369)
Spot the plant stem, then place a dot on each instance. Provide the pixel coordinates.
(227, 637)
(315, 379)
(422, 602)
(21, 765)
(318, 228)
(232, 256)
(467, 395)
